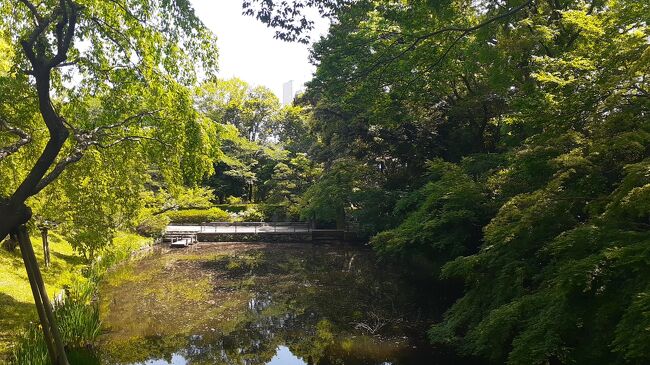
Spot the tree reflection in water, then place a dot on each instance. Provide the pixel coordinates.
(255, 304)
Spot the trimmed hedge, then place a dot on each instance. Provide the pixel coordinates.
(234, 208)
(233, 212)
(198, 215)
(255, 212)
(251, 214)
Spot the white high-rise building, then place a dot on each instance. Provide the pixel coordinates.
(287, 92)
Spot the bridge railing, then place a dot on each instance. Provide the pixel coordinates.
(255, 227)
(175, 236)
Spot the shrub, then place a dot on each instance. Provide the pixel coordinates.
(77, 318)
(77, 313)
(195, 198)
(234, 208)
(278, 212)
(249, 215)
(233, 200)
(198, 215)
(153, 226)
(124, 244)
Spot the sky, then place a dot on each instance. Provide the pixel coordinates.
(248, 50)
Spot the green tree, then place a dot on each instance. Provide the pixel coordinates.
(290, 179)
(539, 111)
(265, 140)
(85, 78)
(443, 219)
(292, 129)
(564, 270)
(338, 193)
(233, 101)
(259, 110)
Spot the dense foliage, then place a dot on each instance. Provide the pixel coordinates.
(263, 144)
(498, 151)
(509, 146)
(94, 106)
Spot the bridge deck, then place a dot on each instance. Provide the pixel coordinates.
(252, 231)
(239, 228)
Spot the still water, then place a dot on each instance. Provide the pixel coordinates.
(263, 304)
(283, 356)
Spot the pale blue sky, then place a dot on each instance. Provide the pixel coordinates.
(248, 50)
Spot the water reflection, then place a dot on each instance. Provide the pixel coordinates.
(283, 356)
(261, 305)
(175, 360)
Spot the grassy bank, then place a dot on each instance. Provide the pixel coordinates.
(66, 270)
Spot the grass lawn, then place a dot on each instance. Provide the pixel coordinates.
(16, 302)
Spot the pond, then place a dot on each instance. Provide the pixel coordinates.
(266, 304)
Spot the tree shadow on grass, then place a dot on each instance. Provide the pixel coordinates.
(14, 315)
(69, 259)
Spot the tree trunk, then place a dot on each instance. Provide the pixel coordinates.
(51, 334)
(14, 213)
(46, 247)
(250, 192)
(340, 218)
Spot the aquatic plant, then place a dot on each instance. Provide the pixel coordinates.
(31, 348)
(78, 318)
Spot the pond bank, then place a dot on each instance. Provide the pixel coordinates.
(77, 322)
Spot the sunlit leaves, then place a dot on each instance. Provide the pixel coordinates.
(550, 237)
(123, 93)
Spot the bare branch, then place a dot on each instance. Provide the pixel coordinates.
(24, 139)
(64, 36)
(132, 139)
(79, 151)
(138, 117)
(478, 26)
(66, 64)
(112, 34)
(127, 11)
(85, 140)
(73, 157)
(28, 44)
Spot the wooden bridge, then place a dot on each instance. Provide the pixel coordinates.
(183, 235)
(179, 238)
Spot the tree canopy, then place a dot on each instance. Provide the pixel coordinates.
(497, 151)
(96, 92)
(510, 141)
(97, 88)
